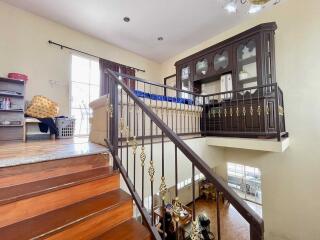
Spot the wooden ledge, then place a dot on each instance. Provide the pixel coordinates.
(266, 145)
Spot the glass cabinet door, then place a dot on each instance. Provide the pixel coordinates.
(202, 68)
(186, 78)
(221, 61)
(247, 64)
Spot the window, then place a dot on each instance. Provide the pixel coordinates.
(85, 87)
(246, 181)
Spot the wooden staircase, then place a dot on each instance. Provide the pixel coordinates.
(74, 198)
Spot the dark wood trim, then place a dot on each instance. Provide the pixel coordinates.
(272, 26)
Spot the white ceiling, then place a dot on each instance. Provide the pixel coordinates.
(182, 23)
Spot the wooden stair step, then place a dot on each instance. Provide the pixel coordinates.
(32, 199)
(10, 176)
(77, 221)
(129, 230)
(27, 190)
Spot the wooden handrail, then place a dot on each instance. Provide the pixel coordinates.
(255, 221)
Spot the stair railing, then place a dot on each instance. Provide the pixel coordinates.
(139, 159)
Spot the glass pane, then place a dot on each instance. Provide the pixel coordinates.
(202, 67)
(80, 69)
(185, 73)
(82, 121)
(247, 63)
(221, 61)
(80, 95)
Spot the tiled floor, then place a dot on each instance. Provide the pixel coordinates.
(15, 153)
(233, 225)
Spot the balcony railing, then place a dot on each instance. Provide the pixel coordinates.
(144, 168)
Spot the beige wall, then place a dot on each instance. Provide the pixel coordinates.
(290, 185)
(290, 180)
(24, 48)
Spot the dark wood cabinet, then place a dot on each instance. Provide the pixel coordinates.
(254, 107)
(248, 56)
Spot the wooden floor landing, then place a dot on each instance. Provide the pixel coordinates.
(16, 153)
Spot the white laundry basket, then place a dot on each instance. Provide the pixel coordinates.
(65, 127)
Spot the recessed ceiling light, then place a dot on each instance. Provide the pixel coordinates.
(160, 38)
(126, 19)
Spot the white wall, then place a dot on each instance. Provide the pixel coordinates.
(290, 180)
(24, 48)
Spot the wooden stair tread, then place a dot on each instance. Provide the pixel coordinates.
(129, 230)
(27, 190)
(52, 222)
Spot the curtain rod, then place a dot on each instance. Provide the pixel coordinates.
(76, 50)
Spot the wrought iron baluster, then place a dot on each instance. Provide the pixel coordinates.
(251, 111)
(244, 112)
(172, 114)
(151, 171)
(193, 193)
(218, 214)
(121, 124)
(128, 132)
(134, 145)
(259, 111)
(143, 156)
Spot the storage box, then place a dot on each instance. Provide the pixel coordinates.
(65, 127)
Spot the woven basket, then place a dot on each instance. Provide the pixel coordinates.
(42, 107)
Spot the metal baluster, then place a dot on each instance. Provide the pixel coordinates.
(213, 112)
(204, 116)
(251, 110)
(151, 170)
(167, 111)
(172, 113)
(193, 193)
(218, 214)
(176, 182)
(188, 114)
(121, 123)
(128, 132)
(163, 187)
(237, 112)
(244, 112)
(219, 115)
(143, 155)
(230, 111)
(181, 115)
(134, 147)
(259, 110)
(184, 116)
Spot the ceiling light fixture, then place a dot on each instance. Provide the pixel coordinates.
(231, 7)
(255, 6)
(126, 19)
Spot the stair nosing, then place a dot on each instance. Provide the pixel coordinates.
(56, 188)
(79, 220)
